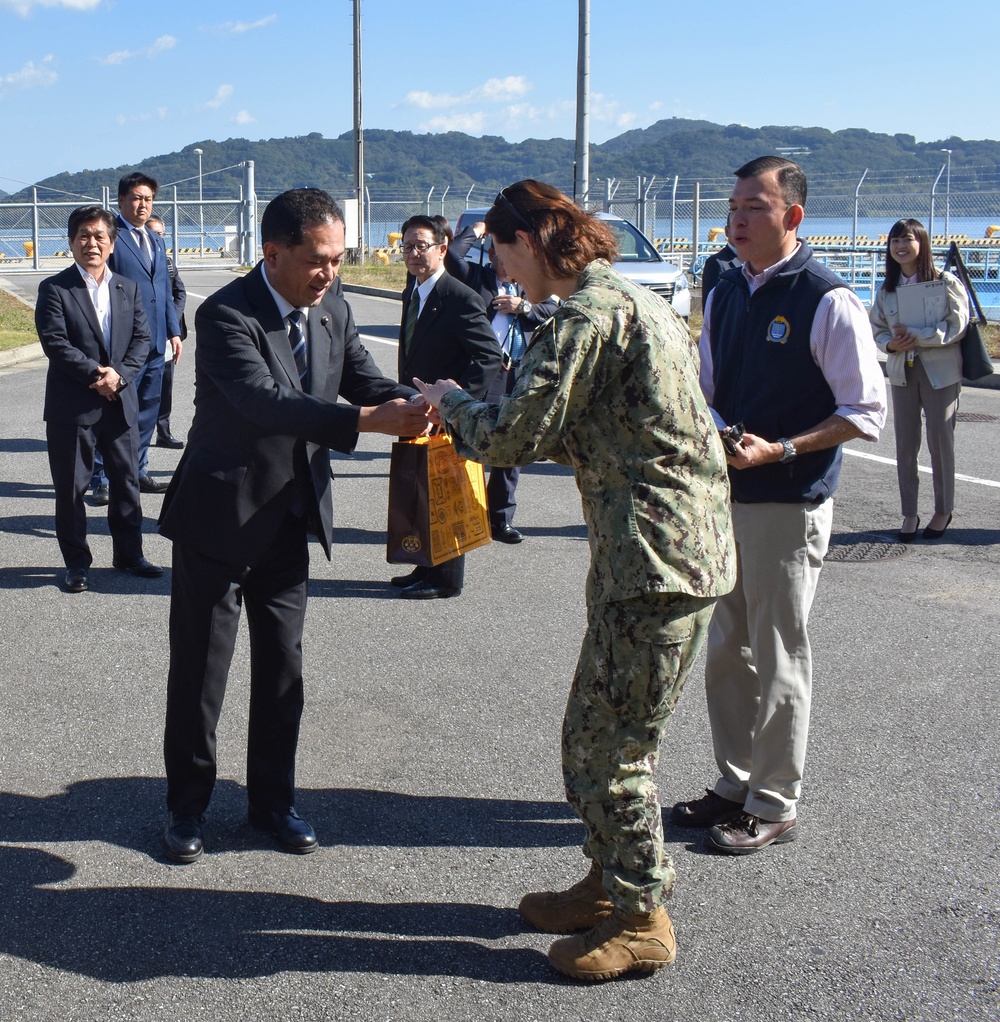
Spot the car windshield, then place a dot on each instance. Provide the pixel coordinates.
(633, 247)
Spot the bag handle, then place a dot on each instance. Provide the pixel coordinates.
(954, 259)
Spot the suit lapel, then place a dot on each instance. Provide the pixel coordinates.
(125, 235)
(320, 336)
(122, 321)
(269, 317)
(78, 289)
(423, 331)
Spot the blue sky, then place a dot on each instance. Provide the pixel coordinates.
(95, 83)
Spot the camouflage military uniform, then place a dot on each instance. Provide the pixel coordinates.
(609, 386)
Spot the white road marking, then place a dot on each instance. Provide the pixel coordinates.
(378, 340)
(921, 468)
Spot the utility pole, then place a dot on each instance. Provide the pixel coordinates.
(581, 176)
(359, 133)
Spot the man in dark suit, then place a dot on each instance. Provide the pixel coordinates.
(141, 256)
(274, 350)
(513, 319)
(178, 293)
(93, 330)
(444, 334)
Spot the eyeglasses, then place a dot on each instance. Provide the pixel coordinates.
(512, 209)
(420, 247)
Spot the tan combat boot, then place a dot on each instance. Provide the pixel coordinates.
(581, 907)
(622, 943)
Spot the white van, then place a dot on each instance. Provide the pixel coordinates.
(637, 259)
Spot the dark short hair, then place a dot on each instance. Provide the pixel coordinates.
(288, 215)
(88, 214)
(925, 257)
(431, 223)
(566, 237)
(791, 177)
(445, 226)
(130, 181)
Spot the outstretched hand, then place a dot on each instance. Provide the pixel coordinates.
(433, 392)
(398, 417)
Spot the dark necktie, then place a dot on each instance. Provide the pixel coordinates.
(298, 343)
(412, 311)
(140, 240)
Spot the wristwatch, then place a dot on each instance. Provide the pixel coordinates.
(790, 453)
(122, 383)
(524, 308)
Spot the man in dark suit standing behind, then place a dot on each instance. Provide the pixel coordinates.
(93, 331)
(141, 256)
(274, 350)
(444, 334)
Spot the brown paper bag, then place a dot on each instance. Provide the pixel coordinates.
(437, 503)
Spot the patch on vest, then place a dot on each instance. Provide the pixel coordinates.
(778, 330)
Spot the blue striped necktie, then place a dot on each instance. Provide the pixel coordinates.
(298, 342)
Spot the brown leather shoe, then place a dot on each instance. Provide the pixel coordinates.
(581, 907)
(748, 834)
(621, 943)
(706, 811)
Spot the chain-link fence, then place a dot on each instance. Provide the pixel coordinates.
(846, 221)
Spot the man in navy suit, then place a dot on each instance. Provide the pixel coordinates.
(444, 334)
(92, 328)
(275, 350)
(141, 255)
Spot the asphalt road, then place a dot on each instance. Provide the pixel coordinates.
(429, 766)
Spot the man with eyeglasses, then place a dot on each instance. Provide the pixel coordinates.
(444, 334)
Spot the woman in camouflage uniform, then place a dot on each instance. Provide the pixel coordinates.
(609, 386)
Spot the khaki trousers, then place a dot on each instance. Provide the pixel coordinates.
(758, 669)
(939, 410)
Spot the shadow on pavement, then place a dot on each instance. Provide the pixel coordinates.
(126, 934)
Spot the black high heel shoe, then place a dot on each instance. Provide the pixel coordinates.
(909, 537)
(930, 533)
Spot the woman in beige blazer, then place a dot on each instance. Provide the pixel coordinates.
(925, 373)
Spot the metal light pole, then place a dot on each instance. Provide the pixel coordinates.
(359, 134)
(947, 198)
(201, 209)
(581, 176)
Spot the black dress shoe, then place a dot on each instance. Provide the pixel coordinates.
(930, 533)
(76, 580)
(708, 811)
(506, 533)
(168, 440)
(402, 581)
(429, 591)
(141, 567)
(100, 497)
(147, 484)
(182, 838)
(292, 832)
(909, 537)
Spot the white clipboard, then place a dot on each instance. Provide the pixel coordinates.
(922, 305)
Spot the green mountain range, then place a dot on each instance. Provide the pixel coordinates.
(400, 164)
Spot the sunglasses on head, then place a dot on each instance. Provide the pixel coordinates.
(502, 200)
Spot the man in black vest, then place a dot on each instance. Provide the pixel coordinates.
(787, 351)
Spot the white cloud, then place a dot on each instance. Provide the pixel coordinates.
(29, 76)
(495, 90)
(222, 93)
(155, 48)
(245, 117)
(23, 7)
(240, 27)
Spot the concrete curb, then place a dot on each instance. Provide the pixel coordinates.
(373, 292)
